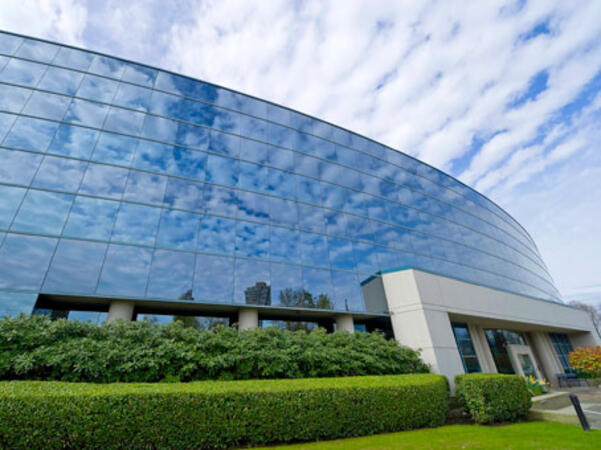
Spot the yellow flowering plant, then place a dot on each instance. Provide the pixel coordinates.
(537, 386)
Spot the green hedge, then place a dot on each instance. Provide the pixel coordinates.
(215, 414)
(35, 348)
(492, 397)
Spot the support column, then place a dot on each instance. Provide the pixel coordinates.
(120, 309)
(248, 319)
(345, 322)
(549, 363)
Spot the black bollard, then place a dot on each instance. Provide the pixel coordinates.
(579, 412)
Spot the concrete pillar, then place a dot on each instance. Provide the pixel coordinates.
(248, 319)
(120, 309)
(344, 322)
(547, 360)
(485, 358)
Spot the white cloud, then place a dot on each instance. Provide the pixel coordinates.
(429, 78)
(60, 20)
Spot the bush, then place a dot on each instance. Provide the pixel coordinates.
(586, 361)
(37, 348)
(492, 397)
(215, 414)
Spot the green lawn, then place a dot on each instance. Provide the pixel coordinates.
(534, 435)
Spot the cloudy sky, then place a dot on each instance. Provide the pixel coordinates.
(505, 96)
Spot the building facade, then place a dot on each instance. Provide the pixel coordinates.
(135, 192)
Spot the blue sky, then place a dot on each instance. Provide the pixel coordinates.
(506, 96)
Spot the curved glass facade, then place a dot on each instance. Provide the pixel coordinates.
(121, 180)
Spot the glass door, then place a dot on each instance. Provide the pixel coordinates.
(523, 360)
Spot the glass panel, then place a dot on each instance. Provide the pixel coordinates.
(97, 88)
(318, 284)
(283, 212)
(225, 143)
(75, 59)
(287, 285)
(347, 292)
(31, 134)
(184, 194)
(18, 167)
(281, 184)
(314, 250)
(125, 271)
(15, 303)
(74, 141)
(563, 347)
(186, 86)
(366, 257)
(139, 74)
(284, 244)
(217, 235)
(124, 121)
(341, 254)
(253, 177)
(10, 199)
(252, 240)
(6, 121)
(497, 344)
(171, 275)
(310, 218)
(86, 113)
(188, 163)
(252, 283)
(221, 200)
(160, 129)
(13, 98)
(192, 136)
(109, 67)
(214, 278)
(134, 97)
(154, 157)
(115, 149)
(37, 50)
(222, 170)
(335, 223)
(466, 348)
(145, 187)
(22, 72)
(104, 181)
(253, 206)
(75, 267)
(62, 81)
(24, 260)
(136, 224)
(9, 43)
(43, 212)
(178, 230)
(59, 174)
(527, 365)
(91, 218)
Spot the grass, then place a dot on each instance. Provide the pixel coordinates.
(531, 435)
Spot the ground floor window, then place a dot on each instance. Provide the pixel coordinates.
(563, 347)
(466, 348)
(498, 341)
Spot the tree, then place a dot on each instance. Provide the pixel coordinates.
(593, 312)
(301, 298)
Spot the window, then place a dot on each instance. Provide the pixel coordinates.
(46, 106)
(178, 229)
(60, 174)
(563, 347)
(214, 278)
(43, 212)
(97, 88)
(10, 199)
(125, 271)
(86, 113)
(24, 260)
(18, 167)
(76, 261)
(145, 187)
(466, 348)
(91, 218)
(115, 149)
(170, 275)
(217, 235)
(74, 141)
(31, 134)
(498, 341)
(136, 224)
(104, 181)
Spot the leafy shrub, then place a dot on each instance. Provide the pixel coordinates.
(215, 414)
(492, 397)
(586, 361)
(37, 348)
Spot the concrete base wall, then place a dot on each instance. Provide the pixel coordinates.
(422, 306)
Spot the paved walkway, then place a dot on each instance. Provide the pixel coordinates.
(590, 400)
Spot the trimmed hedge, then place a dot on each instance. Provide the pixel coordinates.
(36, 348)
(493, 397)
(215, 414)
